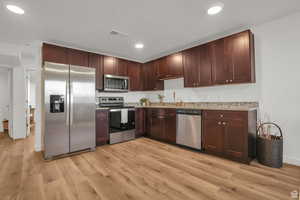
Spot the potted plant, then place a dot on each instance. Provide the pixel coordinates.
(143, 101)
(161, 98)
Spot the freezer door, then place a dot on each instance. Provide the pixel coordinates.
(82, 108)
(56, 78)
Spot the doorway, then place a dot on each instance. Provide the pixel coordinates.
(30, 101)
(6, 122)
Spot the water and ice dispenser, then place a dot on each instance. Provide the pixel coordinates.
(57, 103)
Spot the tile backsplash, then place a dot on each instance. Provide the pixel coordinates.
(226, 93)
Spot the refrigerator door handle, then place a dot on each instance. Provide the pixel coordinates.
(71, 103)
(67, 104)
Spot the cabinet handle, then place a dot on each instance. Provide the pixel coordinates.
(227, 81)
(230, 81)
(224, 123)
(221, 116)
(219, 123)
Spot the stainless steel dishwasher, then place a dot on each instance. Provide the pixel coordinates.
(189, 128)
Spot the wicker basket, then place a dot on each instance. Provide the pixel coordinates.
(270, 150)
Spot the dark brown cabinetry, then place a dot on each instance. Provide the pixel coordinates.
(150, 77)
(170, 67)
(225, 61)
(161, 124)
(233, 59)
(79, 58)
(197, 66)
(134, 71)
(122, 67)
(140, 122)
(55, 54)
(115, 66)
(110, 65)
(96, 61)
(231, 134)
(102, 127)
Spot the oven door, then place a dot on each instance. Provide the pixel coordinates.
(119, 123)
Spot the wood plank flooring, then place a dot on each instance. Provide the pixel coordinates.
(137, 170)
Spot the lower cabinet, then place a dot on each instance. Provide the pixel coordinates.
(230, 134)
(161, 124)
(102, 127)
(140, 122)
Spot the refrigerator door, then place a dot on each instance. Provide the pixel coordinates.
(56, 79)
(82, 108)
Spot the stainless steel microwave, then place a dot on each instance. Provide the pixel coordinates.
(114, 83)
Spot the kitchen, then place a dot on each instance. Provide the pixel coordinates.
(179, 125)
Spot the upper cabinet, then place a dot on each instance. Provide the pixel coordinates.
(150, 77)
(197, 66)
(225, 61)
(110, 65)
(122, 67)
(96, 61)
(77, 57)
(233, 59)
(134, 71)
(115, 66)
(170, 67)
(56, 54)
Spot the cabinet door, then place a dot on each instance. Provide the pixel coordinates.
(121, 66)
(134, 72)
(56, 54)
(96, 61)
(151, 81)
(109, 65)
(170, 128)
(213, 136)
(205, 66)
(78, 58)
(190, 66)
(238, 57)
(221, 71)
(162, 68)
(235, 139)
(140, 122)
(174, 65)
(102, 127)
(157, 127)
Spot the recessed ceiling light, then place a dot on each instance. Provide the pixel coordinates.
(15, 9)
(215, 9)
(139, 45)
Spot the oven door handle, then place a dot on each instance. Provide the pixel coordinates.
(115, 110)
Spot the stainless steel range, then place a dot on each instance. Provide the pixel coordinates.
(121, 119)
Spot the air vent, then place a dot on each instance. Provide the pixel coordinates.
(118, 33)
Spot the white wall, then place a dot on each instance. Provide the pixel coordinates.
(5, 96)
(278, 58)
(19, 104)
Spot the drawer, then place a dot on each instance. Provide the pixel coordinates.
(219, 114)
(162, 111)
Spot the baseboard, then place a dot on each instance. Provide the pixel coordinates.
(291, 160)
(38, 148)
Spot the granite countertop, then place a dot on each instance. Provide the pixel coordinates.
(234, 106)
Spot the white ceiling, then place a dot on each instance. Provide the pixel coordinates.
(162, 25)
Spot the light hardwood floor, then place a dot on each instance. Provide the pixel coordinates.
(137, 170)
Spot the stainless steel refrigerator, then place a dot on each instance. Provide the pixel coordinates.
(69, 108)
